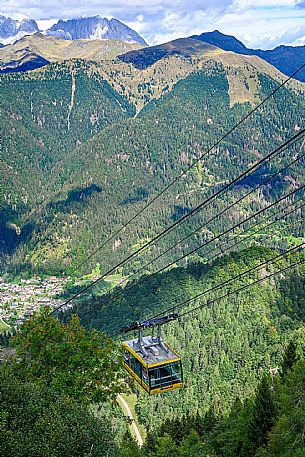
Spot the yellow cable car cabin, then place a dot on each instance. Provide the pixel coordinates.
(151, 362)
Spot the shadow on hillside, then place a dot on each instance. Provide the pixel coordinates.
(279, 183)
(75, 196)
(139, 195)
(11, 237)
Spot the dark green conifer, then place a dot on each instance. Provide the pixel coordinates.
(262, 418)
(289, 358)
(129, 447)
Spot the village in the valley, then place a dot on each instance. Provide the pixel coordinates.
(20, 299)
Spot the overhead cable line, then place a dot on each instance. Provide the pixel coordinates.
(208, 242)
(234, 278)
(214, 249)
(233, 292)
(183, 173)
(200, 227)
(210, 302)
(242, 240)
(196, 209)
(229, 247)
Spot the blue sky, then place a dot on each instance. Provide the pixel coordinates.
(258, 23)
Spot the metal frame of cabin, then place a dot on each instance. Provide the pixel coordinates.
(154, 365)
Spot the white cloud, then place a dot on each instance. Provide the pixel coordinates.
(292, 37)
(259, 23)
(265, 3)
(45, 24)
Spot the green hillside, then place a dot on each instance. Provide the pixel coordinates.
(225, 347)
(87, 145)
(87, 163)
(43, 119)
(269, 423)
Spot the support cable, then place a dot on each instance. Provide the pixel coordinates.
(195, 210)
(193, 232)
(129, 221)
(221, 285)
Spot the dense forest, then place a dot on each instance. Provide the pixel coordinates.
(270, 423)
(225, 347)
(84, 148)
(243, 361)
(83, 160)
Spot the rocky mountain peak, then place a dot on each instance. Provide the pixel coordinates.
(95, 27)
(12, 30)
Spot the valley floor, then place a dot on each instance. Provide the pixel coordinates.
(24, 296)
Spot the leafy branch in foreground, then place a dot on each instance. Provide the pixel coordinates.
(84, 365)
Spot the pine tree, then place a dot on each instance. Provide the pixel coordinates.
(129, 447)
(289, 358)
(209, 421)
(287, 438)
(166, 447)
(262, 418)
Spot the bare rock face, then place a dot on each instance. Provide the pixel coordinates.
(95, 27)
(11, 30)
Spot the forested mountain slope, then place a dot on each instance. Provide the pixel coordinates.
(226, 346)
(103, 139)
(36, 119)
(269, 423)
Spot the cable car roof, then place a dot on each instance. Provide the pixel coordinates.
(156, 354)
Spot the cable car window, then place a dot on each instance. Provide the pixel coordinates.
(176, 372)
(154, 374)
(127, 357)
(132, 362)
(165, 375)
(137, 367)
(144, 375)
(160, 377)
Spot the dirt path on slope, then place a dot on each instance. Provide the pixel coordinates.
(125, 406)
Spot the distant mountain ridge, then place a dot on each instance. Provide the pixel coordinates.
(95, 27)
(186, 47)
(287, 59)
(11, 29)
(95, 32)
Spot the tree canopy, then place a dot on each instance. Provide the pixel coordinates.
(83, 364)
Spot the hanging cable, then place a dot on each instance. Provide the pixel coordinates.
(217, 256)
(243, 288)
(237, 277)
(129, 221)
(196, 209)
(208, 242)
(196, 230)
(210, 259)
